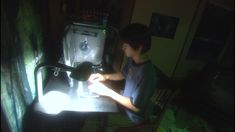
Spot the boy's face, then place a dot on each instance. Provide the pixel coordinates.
(129, 51)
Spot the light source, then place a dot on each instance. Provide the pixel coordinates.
(80, 73)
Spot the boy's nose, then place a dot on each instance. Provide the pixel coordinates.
(123, 47)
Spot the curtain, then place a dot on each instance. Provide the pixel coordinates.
(21, 51)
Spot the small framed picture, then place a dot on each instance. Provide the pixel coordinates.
(163, 25)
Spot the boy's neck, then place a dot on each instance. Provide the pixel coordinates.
(140, 58)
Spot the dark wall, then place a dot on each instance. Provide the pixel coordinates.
(63, 12)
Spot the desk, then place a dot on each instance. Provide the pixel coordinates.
(68, 99)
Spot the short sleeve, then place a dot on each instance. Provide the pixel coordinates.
(144, 90)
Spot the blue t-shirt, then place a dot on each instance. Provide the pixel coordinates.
(139, 87)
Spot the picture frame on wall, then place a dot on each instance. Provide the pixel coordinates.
(163, 25)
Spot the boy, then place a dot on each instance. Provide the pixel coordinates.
(139, 74)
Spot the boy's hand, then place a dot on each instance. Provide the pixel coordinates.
(96, 78)
(100, 89)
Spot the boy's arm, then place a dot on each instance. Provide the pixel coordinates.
(99, 77)
(125, 101)
(115, 76)
(105, 91)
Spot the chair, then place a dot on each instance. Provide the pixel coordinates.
(161, 98)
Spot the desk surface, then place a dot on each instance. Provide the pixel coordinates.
(58, 94)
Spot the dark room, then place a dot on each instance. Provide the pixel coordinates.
(117, 66)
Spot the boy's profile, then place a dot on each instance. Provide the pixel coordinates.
(138, 72)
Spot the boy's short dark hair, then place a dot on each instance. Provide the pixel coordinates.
(136, 34)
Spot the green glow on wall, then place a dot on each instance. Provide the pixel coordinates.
(28, 24)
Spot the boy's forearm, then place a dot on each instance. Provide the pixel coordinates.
(126, 102)
(115, 76)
